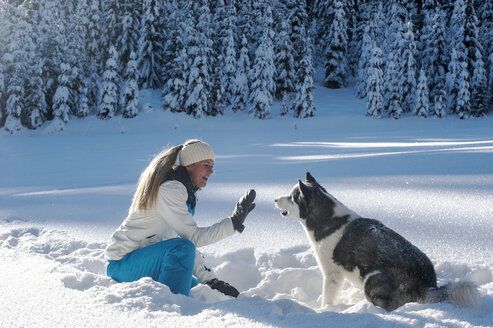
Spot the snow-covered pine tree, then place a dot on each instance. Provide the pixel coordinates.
(263, 74)
(36, 109)
(130, 98)
(336, 43)
(150, 47)
(322, 13)
(229, 72)
(94, 51)
(110, 87)
(435, 63)
(15, 59)
(364, 60)
(479, 87)
(463, 107)
(452, 79)
(475, 62)
(408, 69)
(216, 30)
(298, 21)
(303, 104)
(485, 13)
(392, 93)
(422, 103)
(426, 44)
(244, 23)
(196, 103)
(177, 67)
(374, 106)
(241, 90)
(126, 41)
(285, 74)
(62, 100)
(112, 22)
(199, 76)
(490, 84)
(456, 78)
(2, 92)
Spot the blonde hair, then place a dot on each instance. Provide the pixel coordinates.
(154, 175)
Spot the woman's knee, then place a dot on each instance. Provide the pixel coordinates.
(182, 246)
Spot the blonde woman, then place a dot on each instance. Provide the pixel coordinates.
(159, 237)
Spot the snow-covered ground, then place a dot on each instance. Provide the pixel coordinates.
(63, 194)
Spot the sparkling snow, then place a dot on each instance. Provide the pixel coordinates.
(62, 194)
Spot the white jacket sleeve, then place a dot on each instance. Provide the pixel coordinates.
(171, 206)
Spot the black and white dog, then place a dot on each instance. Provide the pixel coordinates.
(370, 255)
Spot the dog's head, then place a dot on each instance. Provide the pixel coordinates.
(307, 198)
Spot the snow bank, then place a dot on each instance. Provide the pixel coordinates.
(56, 279)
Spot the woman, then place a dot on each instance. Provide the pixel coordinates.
(159, 237)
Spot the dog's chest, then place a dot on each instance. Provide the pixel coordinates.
(324, 249)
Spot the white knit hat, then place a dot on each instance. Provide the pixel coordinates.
(195, 152)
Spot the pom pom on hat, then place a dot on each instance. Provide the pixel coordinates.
(195, 152)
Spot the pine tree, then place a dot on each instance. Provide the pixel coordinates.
(241, 87)
(375, 85)
(229, 73)
(36, 108)
(323, 14)
(452, 81)
(2, 92)
(109, 91)
(127, 40)
(15, 59)
(94, 53)
(426, 40)
(298, 21)
(392, 93)
(93, 46)
(477, 72)
(215, 30)
(263, 77)
(61, 100)
(130, 99)
(336, 69)
(150, 47)
(479, 88)
(408, 69)
(490, 84)
(303, 105)
(463, 107)
(199, 75)
(436, 63)
(422, 96)
(177, 63)
(284, 63)
(364, 61)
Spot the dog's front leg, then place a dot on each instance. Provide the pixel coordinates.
(331, 285)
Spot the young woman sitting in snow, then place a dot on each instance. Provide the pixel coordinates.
(158, 239)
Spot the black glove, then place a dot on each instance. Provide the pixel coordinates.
(223, 287)
(244, 206)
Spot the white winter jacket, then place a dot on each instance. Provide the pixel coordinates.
(169, 218)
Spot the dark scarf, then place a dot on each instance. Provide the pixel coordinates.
(180, 174)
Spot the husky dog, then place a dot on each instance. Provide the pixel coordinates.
(389, 269)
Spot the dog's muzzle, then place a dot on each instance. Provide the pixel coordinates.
(283, 212)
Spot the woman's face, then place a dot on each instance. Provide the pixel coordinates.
(200, 172)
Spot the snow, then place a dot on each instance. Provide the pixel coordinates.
(62, 193)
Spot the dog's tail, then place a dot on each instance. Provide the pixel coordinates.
(461, 294)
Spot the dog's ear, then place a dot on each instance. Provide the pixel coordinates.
(303, 188)
(310, 178)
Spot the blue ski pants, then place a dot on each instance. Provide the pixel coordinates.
(170, 262)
